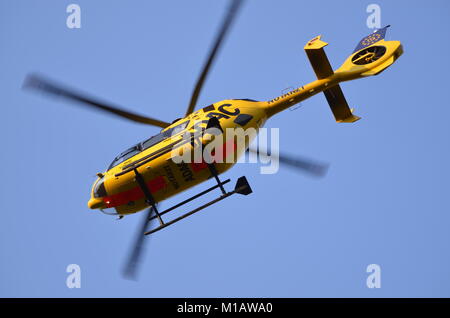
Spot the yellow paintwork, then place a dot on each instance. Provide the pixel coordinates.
(260, 111)
(163, 164)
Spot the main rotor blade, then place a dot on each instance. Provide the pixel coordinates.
(39, 83)
(135, 257)
(228, 20)
(305, 165)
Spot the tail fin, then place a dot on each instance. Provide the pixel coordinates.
(371, 39)
(371, 56)
(334, 95)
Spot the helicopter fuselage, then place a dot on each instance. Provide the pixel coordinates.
(117, 187)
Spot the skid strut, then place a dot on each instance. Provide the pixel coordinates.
(213, 170)
(148, 195)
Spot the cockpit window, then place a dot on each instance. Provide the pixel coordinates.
(99, 188)
(125, 156)
(148, 143)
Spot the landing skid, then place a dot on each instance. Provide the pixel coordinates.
(241, 187)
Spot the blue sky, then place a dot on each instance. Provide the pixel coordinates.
(384, 200)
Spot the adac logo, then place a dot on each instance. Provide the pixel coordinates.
(371, 39)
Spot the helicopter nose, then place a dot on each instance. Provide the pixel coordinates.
(95, 203)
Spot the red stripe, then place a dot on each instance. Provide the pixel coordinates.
(223, 152)
(198, 166)
(135, 193)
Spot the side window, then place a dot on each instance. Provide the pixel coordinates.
(153, 141)
(124, 156)
(164, 135)
(177, 129)
(130, 153)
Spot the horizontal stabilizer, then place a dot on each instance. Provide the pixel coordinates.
(319, 60)
(322, 67)
(338, 104)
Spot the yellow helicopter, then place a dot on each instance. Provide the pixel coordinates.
(146, 173)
